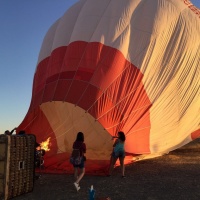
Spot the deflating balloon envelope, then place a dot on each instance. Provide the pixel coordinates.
(108, 66)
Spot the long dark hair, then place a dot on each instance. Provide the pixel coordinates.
(80, 137)
(122, 136)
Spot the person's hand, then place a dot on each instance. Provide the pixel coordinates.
(113, 137)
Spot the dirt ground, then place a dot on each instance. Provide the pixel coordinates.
(175, 176)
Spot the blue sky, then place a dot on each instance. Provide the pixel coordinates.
(23, 26)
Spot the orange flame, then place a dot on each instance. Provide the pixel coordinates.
(46, 144)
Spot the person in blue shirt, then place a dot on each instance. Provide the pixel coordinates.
(118, 152)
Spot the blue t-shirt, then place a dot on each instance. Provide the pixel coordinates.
(118, 150)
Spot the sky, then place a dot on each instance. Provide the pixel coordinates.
(23, 26)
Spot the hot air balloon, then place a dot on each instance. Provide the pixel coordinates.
(117, 65)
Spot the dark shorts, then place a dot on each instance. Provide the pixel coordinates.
(82, 165)
(120, 154)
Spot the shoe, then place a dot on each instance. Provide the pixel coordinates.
(123, 176)
(77, 186)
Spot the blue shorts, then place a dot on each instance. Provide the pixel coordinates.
(82, 165)
(120, 154)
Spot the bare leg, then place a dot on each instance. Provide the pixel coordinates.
(112, 163)
(121, 159)
(81, 175)
(75, 172)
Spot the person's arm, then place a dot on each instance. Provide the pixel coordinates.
(84, 148)
(11, 132)
(116, 141)
(73, 146)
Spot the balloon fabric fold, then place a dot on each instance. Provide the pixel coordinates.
(117, 65)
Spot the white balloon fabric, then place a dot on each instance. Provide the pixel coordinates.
(118, 65)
